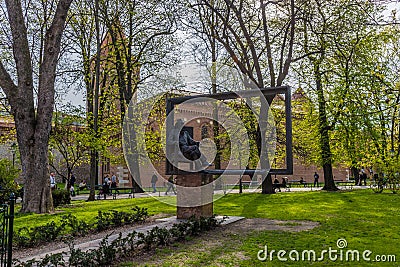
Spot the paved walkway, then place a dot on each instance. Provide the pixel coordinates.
(227, 191)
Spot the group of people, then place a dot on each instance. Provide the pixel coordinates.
(278, 185)
(109, 183)
(70, 184)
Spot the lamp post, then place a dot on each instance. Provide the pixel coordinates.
(13, 151)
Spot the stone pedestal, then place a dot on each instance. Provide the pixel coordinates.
(194, 195)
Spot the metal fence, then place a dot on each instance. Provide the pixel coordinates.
(6, 231)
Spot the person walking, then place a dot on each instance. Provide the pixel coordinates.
(316, 177)
(363, 177)
(170, 185)
(154, 180)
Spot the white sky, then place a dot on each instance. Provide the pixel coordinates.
(189, 70)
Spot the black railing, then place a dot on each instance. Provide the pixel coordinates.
(6, 231)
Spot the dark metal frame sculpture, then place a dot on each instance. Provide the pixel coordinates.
(269, 93)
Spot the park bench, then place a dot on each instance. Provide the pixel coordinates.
(78, 189)
(344, 184)
(101, 192)
(296, 183)
(245, 184)
(122, 190)
(115, 191)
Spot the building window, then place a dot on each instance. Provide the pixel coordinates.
(204, 132)
(106, 165)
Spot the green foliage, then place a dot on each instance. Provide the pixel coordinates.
(87, 211)
(154, 128)
(8, 174)
(60, 197)
(106, 219)
(74, 226)
(69, 225)
(305, 130)
(108, 252)
(69, 140)
(250, 123)
(30, 237)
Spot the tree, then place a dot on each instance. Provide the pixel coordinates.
(33, 124)
(139, 42)
(379, 103)
(251, 36)
(69, 139)
(82, 30)
(332, 33)
(206, 51)
(8, 174)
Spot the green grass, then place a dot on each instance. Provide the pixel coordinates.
(88, 210)
(365, 219)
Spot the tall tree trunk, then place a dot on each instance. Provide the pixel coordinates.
(33, 127)
(215, 125)
(94, 155)
(264, 160)
(133, 127)
(324, 134)
(34, 160)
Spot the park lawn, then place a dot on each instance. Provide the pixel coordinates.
(367, 221)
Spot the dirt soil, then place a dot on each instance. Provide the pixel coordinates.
(220, 236)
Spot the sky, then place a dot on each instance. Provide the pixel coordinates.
(188, 69)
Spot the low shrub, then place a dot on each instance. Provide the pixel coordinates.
(30, 237)
(74, 226)
(70, 225)
(60, 197)
(107, 219)
(108, 253)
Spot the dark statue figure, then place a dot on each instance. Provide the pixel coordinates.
(188, 146)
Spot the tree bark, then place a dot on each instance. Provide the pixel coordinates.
(33, 128)
(324, 134)
(266, 186)
(94, 108)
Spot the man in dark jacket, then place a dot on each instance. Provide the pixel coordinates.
(154, 180)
